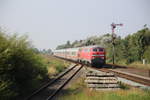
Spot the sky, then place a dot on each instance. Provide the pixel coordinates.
(49, 23)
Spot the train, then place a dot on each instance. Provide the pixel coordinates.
(93, 55)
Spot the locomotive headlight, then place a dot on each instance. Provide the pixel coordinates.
(93, 57)
(102, 57)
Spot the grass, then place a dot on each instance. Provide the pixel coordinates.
(136, 64)
(139, 65)
(55, 65)
(124, 86)
(78, 91)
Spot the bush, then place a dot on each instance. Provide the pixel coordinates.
(20, 66)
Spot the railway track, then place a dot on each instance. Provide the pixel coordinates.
(129, 76)
(49, 90)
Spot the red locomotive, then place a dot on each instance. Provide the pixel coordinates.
(94, 55)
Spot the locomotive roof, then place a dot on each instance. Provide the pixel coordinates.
(92, 46)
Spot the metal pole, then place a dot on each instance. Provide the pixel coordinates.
(113, 59)
(113, 38)
(113, 42)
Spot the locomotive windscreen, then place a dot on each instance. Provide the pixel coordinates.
(98, 49)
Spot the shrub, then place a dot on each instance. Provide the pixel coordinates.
(20, 66)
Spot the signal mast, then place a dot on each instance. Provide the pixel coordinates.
(113, 26)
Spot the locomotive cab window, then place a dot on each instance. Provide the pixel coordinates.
(98, 49)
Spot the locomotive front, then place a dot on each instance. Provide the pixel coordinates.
(98, 56)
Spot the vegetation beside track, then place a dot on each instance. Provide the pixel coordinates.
(78, 91)
(136, 65)
(21, 68)
(55, 65)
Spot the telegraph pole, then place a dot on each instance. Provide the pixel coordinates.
(113, 26)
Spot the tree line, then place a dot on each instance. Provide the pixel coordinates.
(43, 51)
(131, 48)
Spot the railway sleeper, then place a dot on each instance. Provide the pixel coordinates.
(101, 80)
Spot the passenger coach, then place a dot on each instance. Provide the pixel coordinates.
(94, 55)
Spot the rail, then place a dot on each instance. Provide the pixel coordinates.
(54, 81)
